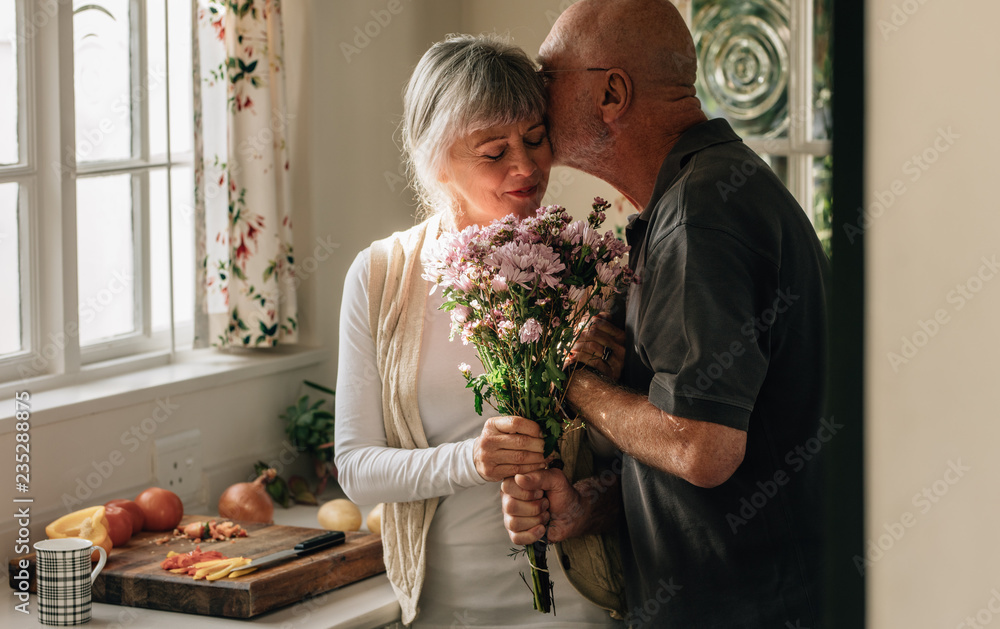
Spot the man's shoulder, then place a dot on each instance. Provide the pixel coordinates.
(723, 177)
(728, 188)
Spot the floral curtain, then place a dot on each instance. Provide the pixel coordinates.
(243, 226)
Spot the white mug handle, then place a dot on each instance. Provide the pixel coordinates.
(100, 564)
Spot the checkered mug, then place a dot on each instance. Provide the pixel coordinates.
(65, 579)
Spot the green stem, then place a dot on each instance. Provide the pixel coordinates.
(540, 585)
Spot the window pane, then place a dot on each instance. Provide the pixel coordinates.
(156, 77)
(823, 199)
(103, 80)
(743, 63)
(181, 107)
(159, 261)
(183, 197)
(183, 242)
(8, 79)
(10, 279)
(822, 70)
(105, 262)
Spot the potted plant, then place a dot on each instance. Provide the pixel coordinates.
(309, 425)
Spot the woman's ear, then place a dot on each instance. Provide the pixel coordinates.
(617, 95)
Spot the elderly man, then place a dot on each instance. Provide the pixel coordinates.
(719, 419)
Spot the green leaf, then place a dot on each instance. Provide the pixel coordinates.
(269, 271)
(319, 387)
(479, 403)
(88, 7)
(554, 373)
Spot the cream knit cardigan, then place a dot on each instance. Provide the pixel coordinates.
(397, 296)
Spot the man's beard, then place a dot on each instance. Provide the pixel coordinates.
(583, 147)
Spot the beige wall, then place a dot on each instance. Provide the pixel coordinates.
(349, 183)
(348, 190)
(933, 70)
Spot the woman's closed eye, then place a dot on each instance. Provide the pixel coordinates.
(496, 158)
(530, 143)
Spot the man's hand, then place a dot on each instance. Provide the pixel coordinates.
(540, 501)
(508, 446)
(601, 345)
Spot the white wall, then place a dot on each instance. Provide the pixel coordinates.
(932, 70)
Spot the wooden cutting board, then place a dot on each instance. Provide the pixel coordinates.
(133, 576)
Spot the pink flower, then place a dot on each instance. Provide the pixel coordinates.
(464, 283)
(526, 264)
(576, 293)
(499, 284)
(606, 273)
(531, 331)
(468, 331)
(461, 314)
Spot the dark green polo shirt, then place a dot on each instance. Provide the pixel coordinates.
(727, 325)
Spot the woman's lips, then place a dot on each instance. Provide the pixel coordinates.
(524, 193)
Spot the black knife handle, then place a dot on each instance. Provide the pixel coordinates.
(322, 541)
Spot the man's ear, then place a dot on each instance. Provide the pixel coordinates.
(617, 95)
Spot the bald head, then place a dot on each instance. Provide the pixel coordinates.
(648, 38)
(620, 124)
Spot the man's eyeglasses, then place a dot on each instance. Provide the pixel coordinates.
(547, 75)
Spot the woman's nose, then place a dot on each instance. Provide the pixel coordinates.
(523, 163)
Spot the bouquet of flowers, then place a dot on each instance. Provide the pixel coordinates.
(522, 292)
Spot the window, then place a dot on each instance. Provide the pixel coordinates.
(765, 65)
(96, 234)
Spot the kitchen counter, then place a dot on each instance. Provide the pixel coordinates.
(367, 604)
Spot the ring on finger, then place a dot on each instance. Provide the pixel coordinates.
(606, 356)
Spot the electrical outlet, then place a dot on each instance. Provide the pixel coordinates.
(177, 463)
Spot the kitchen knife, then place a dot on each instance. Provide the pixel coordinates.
(326, 540)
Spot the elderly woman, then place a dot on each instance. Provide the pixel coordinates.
(407, 435)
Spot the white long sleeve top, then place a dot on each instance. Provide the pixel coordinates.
(470, 581)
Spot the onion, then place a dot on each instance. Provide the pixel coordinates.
(249, 501)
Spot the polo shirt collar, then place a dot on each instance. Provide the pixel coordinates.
(698, 137)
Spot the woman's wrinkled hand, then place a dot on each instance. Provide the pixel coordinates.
(601, 345)
(508, 446)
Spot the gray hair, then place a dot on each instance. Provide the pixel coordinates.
(462, 84)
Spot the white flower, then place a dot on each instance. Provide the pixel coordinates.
(465, 368)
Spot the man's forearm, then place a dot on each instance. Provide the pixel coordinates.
(703, 453)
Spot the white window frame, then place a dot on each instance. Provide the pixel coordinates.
(47, 173)
(24, 174)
